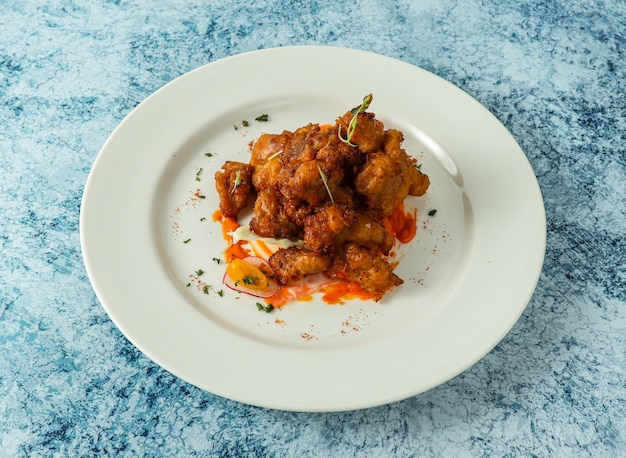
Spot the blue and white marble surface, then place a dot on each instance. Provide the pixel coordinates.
(553, 71)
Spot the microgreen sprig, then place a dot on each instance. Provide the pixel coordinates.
(238, 181)
(355, 116)
(276, 154)
(325, 181)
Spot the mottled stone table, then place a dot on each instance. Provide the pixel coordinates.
(553, 72)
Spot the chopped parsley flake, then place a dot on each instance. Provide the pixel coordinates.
(263, 308)
(245, 123)
(199, 272)
(248, 280)
(220, 293)
(433, 212)
(205, 290)
(208, 154)
(217, 260)
(262, 118)
(187, 241)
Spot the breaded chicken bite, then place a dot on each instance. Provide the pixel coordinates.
(234, 187)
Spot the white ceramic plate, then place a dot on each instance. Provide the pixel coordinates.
(468, 274)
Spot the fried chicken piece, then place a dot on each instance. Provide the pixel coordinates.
(321, 228)
(302, 146)
(268, 145)
(367, 232)
(297, 210)
(337, 154)
(389, 176)
(270, 218)
(265, 158)
(369, 133)
(312, 182)
(365, 267)
(234, 187)
(292, 264)
(419, 181)
(382, 183)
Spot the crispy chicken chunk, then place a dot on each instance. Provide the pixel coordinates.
(419, 181)
(337, 154)
(365, 267)
(302, 146)
(389, 176)
(322, 228)
(365, 231)
(270, 218)
(307, 183)
(382, 183)
(292, 264)
(369, 133)
(234, 186)
(265, 158)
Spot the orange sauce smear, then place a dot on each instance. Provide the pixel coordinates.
(400, 224)
(230, 225)
(342, 291)
(285, 295)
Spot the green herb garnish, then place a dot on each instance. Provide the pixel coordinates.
(199, 272)
(198, 174)
(325, 181)
(355, 116)
(217, 260)
(238, 181)
(276, 154)
(245, 123)
(220, 293)
(208, 154)
(205, 290)
(433, 212)
(187, 241)
(263, 308)
(262, 118)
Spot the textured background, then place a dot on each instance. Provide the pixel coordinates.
(554, 72)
